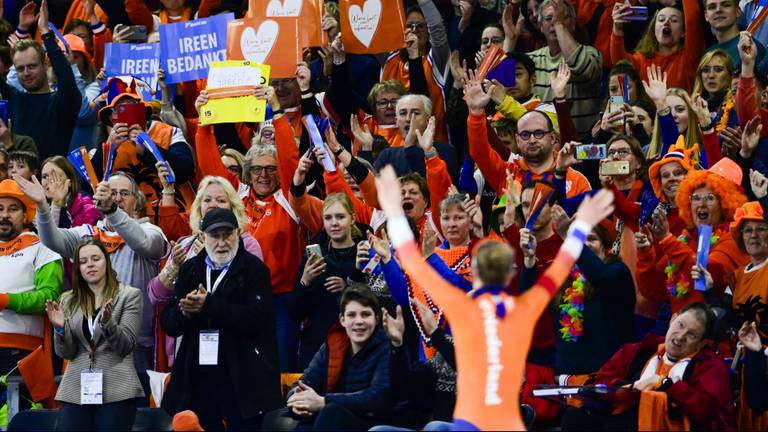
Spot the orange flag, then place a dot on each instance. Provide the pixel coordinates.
(37, 371)
(309, 13)
(370, 27)
(271, 41)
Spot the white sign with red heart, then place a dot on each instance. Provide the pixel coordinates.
(365, 21)
(290, 8)
(256, 45)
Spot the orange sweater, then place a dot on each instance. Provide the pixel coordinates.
(680, 66)
(494, 168)
(271, 221)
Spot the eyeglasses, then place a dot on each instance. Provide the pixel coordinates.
(383, 103)
(258, 170)
(710, 198)
(620, 153)
(538, 134)
(761, 230)
(123, 193)
(415, 26)
(494, 40)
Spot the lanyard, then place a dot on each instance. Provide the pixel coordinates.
(92, 323)
(208, 267)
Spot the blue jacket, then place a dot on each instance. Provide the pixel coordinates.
(364, 384)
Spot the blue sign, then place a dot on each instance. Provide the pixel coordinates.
(188, 48)
(138, 60)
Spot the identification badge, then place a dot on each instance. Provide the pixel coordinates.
(209, 348)
(91, 387)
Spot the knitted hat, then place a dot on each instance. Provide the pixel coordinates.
(677, 153)
(10, 189)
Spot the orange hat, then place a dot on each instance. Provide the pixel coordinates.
(10, 189)
(76, 43)
(186, 421)
(728, 169)
(749, 211)
(118, 88)
(677, 153)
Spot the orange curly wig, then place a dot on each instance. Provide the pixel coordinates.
(728, 193)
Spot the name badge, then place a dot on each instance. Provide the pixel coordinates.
(209, 348)
(91, 387)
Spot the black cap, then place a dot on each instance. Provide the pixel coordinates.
(219, 218)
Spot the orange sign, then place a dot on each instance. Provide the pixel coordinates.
(368, 27)
(309, 13)
(270, 41)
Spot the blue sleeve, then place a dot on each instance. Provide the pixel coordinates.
(570, 205)
(415, 157)
(615, 276)
(315, 374)
(669, 132)
(179, 155)
(448, 274)
(376, 398)
(395, 278)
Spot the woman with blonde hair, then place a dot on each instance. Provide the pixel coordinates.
(213, 192)
(329, 264)
(96, 328)
(713, 83)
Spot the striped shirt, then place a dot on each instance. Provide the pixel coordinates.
(583, 89)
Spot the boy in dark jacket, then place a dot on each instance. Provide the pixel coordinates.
(347, 385)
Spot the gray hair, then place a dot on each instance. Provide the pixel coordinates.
(141, 199)
(425, 102)
(254, 152)
(570, 11)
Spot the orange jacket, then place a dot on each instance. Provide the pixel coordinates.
(494, 168)
(271, 220)
(680, 66)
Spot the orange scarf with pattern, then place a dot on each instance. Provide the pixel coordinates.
(21, 242)
(111, 240)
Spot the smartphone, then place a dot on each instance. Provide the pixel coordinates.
(614, 168)
(132, 114)
(639, 13)
(4, 112)
(314, 249)
(616, 104)
(590, 151)
(138, 33)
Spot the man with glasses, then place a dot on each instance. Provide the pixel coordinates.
(135, 246)
(535, 141)
(421, 65)
(558, 23)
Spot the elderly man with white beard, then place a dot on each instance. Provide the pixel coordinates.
(226, 367)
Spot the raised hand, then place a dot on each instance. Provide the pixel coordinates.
(748, 53)
(394, 325)
(759, 183)
(698, 272)
(595, 208)
(511, 31)
(163, 173)
(55, 314)
(620, 11)
(660, 226)
(751, 137)
(426, 139)
(314, 267)
(43, 25)
(559, 80)
(427, 317)
(428, 240)
(566, 157)
(381, 246)
(33, 190)
(749, 338)
(731, 137)
(362, 134)
(656, 86)
(528, 245)
(458, 70)
(560, 221)
(303, 76)
(201, 100)
(27, 16)
(57, 188)
(412, 44)
(472, 207)
(305, 164)
(476, 97)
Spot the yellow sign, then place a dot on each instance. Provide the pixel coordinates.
(229, 86)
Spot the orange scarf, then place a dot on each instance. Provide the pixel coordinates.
(21, 242)
(111, 240)
(255, 210)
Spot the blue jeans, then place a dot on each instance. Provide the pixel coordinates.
(287, 332)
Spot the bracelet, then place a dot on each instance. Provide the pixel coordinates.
(21, 32)
(560, 174)
(559, 99)
(430, 154)
(59, 330)
(168, 193)
(665, 111)
(339, 152)
(707, 128)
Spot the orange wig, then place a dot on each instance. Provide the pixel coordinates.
(727, 192)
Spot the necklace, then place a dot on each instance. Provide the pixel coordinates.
(572, 308)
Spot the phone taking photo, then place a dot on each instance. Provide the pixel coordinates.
(590, 151)
(614, 168)
(131, 114)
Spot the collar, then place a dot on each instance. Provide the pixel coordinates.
(211, 265)
(494, 290)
